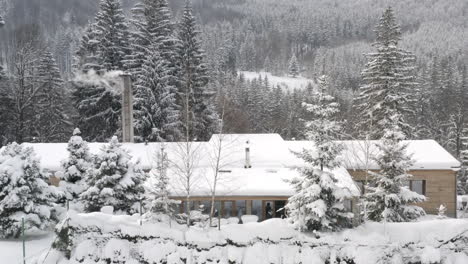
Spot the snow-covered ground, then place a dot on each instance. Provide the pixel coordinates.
(285, 82)
(11, 251)
(102, 237)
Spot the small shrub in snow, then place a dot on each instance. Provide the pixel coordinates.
(75, 169)
(24, 192)
(441, 212)
(114, 181)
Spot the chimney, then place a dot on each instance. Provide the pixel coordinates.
(247, 156)
(127, 109)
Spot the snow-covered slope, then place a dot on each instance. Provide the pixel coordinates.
(285, 82)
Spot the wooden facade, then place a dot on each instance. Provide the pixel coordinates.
(440, 187)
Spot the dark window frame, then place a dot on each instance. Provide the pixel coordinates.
(423, 186)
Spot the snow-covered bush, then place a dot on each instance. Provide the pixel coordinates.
(114, 181)
(75, 169)
(24, 192)
(441, 212)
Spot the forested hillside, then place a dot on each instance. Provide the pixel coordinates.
(327, 37)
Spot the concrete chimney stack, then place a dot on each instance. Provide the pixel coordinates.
(247, 156)
(127, 109)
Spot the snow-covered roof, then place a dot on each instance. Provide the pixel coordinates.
(252, 182)
(267, 151)
(357, 154)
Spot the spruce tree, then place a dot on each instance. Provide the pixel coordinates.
(98, 105)
(153, 31)
(160, 203)
(388, 81)
(24, 192)
(196, 99)
(318, 203)
(112, 35)
(140, 41)
(76, 168)
(114, 181)
(86, 56)
(293, 66)
(390, 200)
(462, 177)
(51, 121)
(156, 112)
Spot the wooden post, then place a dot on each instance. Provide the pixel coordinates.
(24, 240)
(127, 109)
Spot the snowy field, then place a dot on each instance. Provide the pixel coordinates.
(285, 82)
(102, 237)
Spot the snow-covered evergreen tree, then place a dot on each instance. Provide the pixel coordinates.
(318, 203)
(156, 111)
(160, 203)
(24, 192)
(87, 51)
(75, 169)
(51, 121)
(390, 200)
(112, 35)
(98, 105)
(196, 99)
(388, 81)
(114, 181)
(153, 31)
(462, 177)
(293, 66)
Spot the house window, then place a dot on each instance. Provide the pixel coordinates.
(257, 209)
(241, 208)
(348, 205)
(418, 186)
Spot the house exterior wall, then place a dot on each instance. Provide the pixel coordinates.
(441, 188)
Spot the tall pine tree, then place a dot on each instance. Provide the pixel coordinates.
(51, 120)
(390, 200)
(112, 35)
(156, 112)
(318, 202)
(195, 98)
(388, 81)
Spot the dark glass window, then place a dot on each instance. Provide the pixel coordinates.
(418, 186)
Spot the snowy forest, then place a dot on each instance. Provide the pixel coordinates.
(391, 75)
(323, 37)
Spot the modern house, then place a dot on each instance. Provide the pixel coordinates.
(254, 168)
